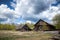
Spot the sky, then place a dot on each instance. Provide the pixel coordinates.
(21, 11)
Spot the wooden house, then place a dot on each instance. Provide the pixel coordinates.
(42, 25)
(24, 28)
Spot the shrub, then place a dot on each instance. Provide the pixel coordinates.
(7, 27)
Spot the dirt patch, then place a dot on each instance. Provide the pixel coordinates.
(17, 35)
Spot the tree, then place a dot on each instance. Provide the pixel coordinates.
(56, 21)
(7, 27)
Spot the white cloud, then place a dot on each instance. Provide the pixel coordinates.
(51, 12)
(26, 8)
(7, 13)
(13, 4)
(28, 21)
(31, 10)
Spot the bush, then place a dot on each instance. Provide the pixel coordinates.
(7, 27)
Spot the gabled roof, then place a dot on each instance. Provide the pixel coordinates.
(25, 26)
(43, 21)
(50, 27)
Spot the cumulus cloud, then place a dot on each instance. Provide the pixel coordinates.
(31, 10)
(13, 4)
(33, 6)
(50, 13)
(28, 21)
(6, 13)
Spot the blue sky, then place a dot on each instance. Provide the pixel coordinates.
(7, 2)
(21, 11)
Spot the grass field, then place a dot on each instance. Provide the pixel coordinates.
(17, 35)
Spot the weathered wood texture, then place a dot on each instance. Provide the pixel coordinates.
(42, 25)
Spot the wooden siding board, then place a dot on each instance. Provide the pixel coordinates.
(45, 25)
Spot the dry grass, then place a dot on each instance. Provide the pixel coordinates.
(17, 35)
